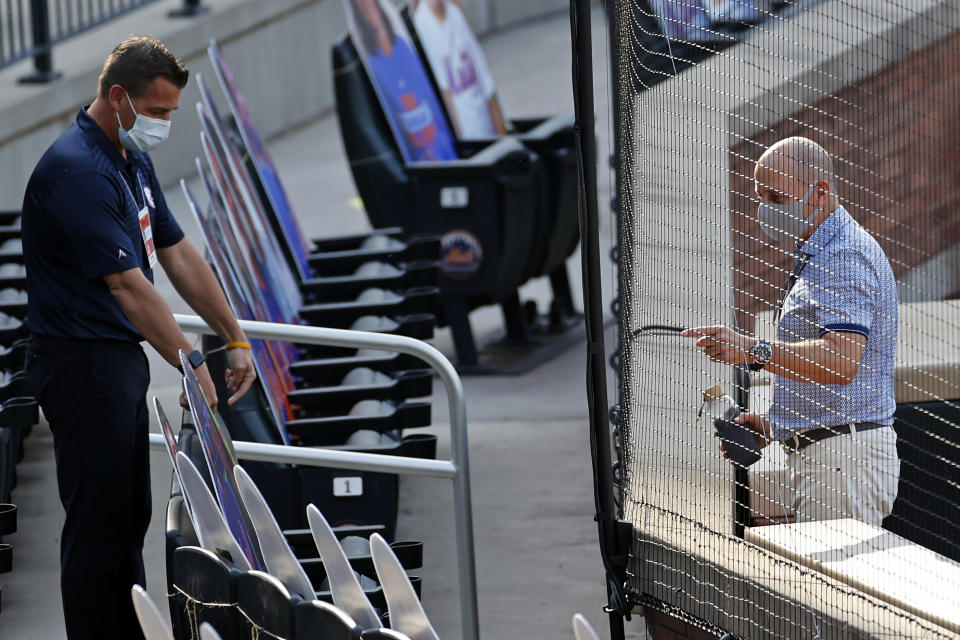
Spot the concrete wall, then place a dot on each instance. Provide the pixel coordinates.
(278, 50)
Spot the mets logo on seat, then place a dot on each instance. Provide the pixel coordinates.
(461, 254)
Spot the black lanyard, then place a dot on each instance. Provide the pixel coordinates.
(788, 286)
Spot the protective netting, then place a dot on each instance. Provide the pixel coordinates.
(851, 528)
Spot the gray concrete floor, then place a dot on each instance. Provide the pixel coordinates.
(537, 554)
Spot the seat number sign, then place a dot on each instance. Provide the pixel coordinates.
(347, 487)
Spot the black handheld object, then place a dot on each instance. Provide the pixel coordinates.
(738, 442)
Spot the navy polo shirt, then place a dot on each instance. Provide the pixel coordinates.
(80, 223)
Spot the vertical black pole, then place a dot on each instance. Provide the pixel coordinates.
(741, 477)
(585, 130)
(43, 58)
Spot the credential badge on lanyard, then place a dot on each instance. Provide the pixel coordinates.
(146, 230)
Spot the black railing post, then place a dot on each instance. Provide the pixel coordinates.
(43, 56)
(189, 9)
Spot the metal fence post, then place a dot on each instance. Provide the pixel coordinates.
(189, 9)
(43, 57)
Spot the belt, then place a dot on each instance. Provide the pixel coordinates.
(803, 440)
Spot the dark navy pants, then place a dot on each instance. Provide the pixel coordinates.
(92, 393)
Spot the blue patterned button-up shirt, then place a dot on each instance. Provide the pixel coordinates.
(845, 283)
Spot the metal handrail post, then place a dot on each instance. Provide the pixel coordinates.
(463, 508)
(40, 32)
(189, 9)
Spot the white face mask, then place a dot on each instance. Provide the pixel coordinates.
(145, 134)
(785, 223)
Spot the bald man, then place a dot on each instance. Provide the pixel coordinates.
(833, 360)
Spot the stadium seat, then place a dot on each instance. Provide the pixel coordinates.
(266, 604)
(9, 218)
(329, 371)
(372, 274)
(204, 591)
(365, 384)
(410, 555)
(319, 619)
(371, 301)
(559, 225)
(505, 197)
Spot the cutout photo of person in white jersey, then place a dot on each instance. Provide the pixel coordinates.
(460, 68)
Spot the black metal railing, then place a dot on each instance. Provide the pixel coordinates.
(31, 28)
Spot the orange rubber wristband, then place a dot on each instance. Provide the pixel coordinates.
(238, 345)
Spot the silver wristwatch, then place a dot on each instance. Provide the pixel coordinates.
(761, 354)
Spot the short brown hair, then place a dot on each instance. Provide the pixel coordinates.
(135, 62)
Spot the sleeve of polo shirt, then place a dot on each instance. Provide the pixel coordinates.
(166, 229)
(89, 208)
(848, 302)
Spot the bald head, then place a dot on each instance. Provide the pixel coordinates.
(790, 166)
(795, 172)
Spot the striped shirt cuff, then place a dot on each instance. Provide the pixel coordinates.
(855, 328)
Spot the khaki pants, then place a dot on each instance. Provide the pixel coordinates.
(846, 476)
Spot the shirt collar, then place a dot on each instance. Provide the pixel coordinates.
(95, 134)
(824, 234)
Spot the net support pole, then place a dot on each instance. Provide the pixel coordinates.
(586, 142)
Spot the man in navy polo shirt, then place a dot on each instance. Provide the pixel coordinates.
(95, 224)
(833, 359)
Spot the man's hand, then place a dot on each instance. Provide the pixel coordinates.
(206, 385)
(760, 425)
(722, 344)
(240, 373)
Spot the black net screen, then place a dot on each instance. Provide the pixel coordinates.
(788, 178)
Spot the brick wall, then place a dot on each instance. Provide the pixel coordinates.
(895, 139)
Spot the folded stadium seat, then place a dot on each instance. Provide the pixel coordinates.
(303, 545)
(372, 301)
(13, 275)
(553, 139)
(266, 605)
(373, 415)
(18, 414)
(485, 205)
(329, 371)
(9, 218)
(8, 520)
(420, 326)
(365, 384)
(205, 590)
(8, 525)
(14, 384)
(10, 231)
(384, 275)
(338, 256)
(11, 329)
(11, 250)
(8, 462)
(13, 302)
(357, 550)
(319, 619)
(14, 356)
